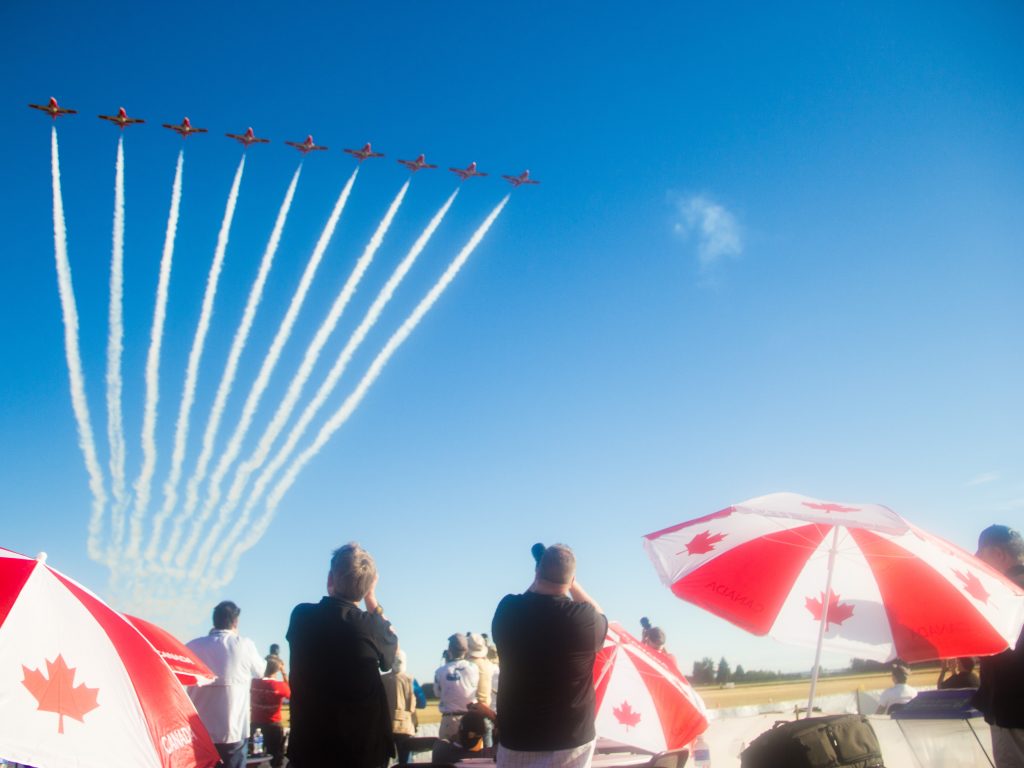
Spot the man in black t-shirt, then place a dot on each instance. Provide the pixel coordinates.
(340, 716)
(1001, 695)
(547, 640)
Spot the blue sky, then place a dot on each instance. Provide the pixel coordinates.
(774, 249)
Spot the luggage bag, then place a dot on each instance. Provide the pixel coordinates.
(846, 741)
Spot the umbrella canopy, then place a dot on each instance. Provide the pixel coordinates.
(643, 700)
(80, 686)
(186, 666)
(854, 577)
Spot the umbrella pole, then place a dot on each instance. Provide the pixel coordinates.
(824, 618)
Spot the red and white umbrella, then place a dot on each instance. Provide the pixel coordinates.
(80, 686)
(643, 700)
(852, 577)
(186, 666)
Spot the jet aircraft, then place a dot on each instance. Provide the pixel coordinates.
(53, 110)
(522, 178)
(121, 119)
(185, 129)
(305, 146)
(417, 165)
(364, 153)
(468, 172)
(247, 138)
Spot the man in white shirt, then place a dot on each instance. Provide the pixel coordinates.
(899, 693)
(223, 705)
(455, 685)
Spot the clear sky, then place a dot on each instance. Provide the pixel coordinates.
(776, 247)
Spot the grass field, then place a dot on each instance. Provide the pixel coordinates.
(768, 693)
(797, 690)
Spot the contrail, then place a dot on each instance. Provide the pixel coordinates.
(228, 379)
(188, 394)
(298, 382)
(76, 378)
(325, 390)
(115, 341)
(145, 479)
(258, 387)
(352, 401)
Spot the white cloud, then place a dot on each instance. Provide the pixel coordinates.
(715, 228)
(982, 479)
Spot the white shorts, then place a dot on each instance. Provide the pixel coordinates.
(577, 757)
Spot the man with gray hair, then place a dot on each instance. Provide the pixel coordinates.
(547, 639)
(1001, 695)
(339, 711)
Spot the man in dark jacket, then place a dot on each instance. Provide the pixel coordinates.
(339, 711)
(1001, 695)
(547, 639)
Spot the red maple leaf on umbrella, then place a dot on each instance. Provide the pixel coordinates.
(837, 612)
(702, 543)
(58, 694)
(625, 715)
(830, 507)
(973, 586)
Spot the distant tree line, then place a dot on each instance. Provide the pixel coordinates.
(707, 672)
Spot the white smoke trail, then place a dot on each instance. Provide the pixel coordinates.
(188, 394)
(230, 370)
(329, 383)
(115, 340)
(298, 382)
(262, 379)
(340, 416)
(76, 378)
(145, 479)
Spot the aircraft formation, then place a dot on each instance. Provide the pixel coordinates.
(186, 129)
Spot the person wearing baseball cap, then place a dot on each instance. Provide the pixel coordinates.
(455, 684)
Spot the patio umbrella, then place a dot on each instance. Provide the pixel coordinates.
(80, 686)
(643, 700)
(855, 577)
(186, 666)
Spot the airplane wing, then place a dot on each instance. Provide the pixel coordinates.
(321, 149)
(531, 181)
(353, 152)
(39, 106)
(198, 130)
(294, 144)
(111, 118)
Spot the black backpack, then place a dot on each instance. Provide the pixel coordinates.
(817, 742)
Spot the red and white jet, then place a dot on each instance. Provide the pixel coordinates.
(522, 178)
(365, 152)
(247, 138)
(121, 119)
(417, 165)
(468, 172)
(53, 110)
(185, 129)
(306, 146)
